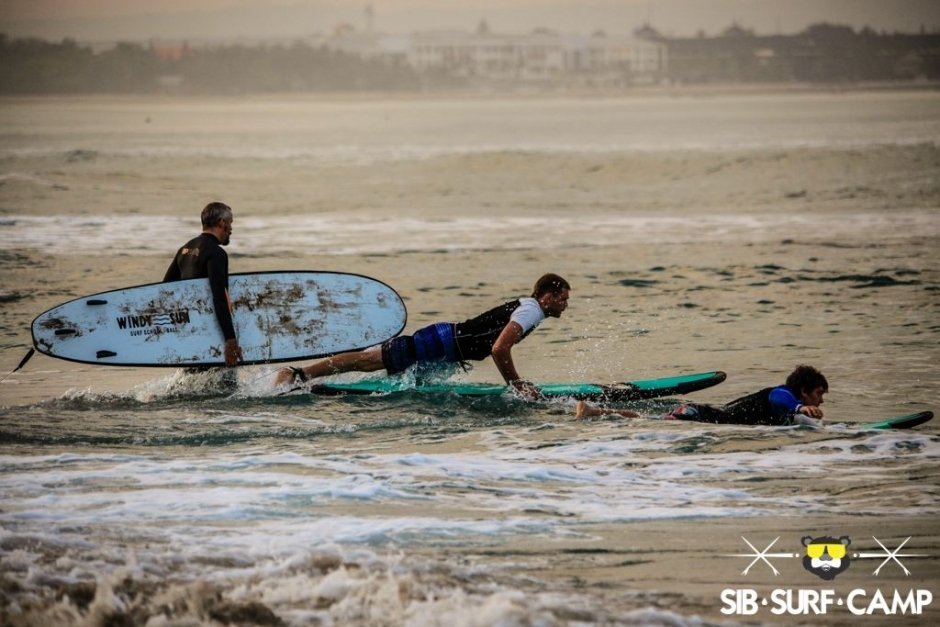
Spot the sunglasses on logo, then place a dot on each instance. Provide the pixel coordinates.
(835, 551)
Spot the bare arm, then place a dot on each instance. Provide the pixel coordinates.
(502, 357)
(217, 268)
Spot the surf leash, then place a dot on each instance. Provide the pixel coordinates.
(23, 361)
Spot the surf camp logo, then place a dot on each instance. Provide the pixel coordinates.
(825, 557)
(153, 323)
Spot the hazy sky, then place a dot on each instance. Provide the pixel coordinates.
(144, 19)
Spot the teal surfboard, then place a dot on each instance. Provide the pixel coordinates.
(908, 421)
(278, 316)
(616, 393)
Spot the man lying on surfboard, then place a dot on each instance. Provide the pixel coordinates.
(494, 333)
(795, 402)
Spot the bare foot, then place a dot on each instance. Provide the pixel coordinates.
(288, 375)
(282, 376)
(580, 410)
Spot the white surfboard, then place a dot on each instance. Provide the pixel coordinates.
(278, 316)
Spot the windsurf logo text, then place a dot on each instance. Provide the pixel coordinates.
(152, 319)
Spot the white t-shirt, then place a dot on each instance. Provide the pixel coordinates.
(528, 314)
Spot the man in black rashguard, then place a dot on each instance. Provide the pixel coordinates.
(203, 258)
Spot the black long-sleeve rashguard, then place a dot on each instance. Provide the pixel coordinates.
(204, 258)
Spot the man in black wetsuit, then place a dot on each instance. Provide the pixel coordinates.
(493, 332)
(203, 258)
(796, 402)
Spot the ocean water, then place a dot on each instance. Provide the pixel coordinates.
(740, 232)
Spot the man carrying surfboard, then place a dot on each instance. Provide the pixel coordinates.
(795, 402)
(493, 332)
(203, 258)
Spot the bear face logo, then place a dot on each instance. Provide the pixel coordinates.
(826, 557)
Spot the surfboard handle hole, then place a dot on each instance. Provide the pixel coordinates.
(103, 354)
(96, 302)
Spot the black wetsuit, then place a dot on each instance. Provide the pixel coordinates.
(758, 408)
(475, 337)
(204, 258)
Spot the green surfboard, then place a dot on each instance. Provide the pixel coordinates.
(907, 421)
(616, 393)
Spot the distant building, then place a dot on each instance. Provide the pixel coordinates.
(538, 56)
(823, 53)
(367, 45)
(168, 51)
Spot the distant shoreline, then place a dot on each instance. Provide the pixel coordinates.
(709, 89)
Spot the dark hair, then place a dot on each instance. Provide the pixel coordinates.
(214, 213)
(549, 283)
(806, 379)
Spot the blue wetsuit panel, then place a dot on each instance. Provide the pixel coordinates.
(783, 403)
